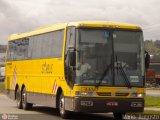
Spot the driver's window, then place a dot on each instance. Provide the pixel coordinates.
(70, 40)
(70, 37)
(69, 56)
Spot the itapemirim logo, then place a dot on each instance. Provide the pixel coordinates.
(4, 116)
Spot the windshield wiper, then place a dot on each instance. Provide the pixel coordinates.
(103, 75)
(120, 68)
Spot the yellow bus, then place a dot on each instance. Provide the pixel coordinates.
(88, 66)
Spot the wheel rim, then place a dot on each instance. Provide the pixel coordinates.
(18, 99)
(61, 105)
(23, 99)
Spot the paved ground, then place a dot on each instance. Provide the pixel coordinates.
(151, 108)
(8, 107)
(155, 93)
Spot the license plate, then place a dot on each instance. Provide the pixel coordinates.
(112, 104)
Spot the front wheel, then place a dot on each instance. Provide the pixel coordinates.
(118, 116)
(25, 104)
(63, 113)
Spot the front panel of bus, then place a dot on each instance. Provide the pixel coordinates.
(105, 69)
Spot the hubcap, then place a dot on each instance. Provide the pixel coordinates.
(24, 98)
(61, 105)
(18, 98)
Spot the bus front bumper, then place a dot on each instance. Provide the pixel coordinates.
(101, 105)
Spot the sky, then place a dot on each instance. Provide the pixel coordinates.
(18, 16)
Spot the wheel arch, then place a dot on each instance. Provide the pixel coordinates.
(16, 88)
(23, 86)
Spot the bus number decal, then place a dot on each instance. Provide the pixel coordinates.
(47, 68)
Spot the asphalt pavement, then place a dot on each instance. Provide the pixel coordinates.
(8, 109)
(155, 93)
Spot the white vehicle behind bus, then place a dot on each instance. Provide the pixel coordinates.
(2, 73)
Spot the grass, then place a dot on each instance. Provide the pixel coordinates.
(152, 101)
(2, 88)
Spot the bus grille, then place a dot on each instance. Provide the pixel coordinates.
(104, 93)
(121, 94)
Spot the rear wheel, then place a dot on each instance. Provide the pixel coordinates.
(18, 98)
(25, 104)
(63, 113)
(118, 116)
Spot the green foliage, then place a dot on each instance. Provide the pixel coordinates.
(153, 47)
(152, 101)
(151, 112)
(3, 48)
(2, 88)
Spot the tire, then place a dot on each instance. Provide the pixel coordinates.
(118, 116)
(61, 106)
(25, 104)
(18, 99)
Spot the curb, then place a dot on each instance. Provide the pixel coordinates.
(152, 108)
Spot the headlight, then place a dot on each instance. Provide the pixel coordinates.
(139, 95)
(84, 93)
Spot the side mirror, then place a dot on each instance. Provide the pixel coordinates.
(147, 60)
(72, 58)
(72, 55)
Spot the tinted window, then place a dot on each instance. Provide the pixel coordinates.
(18, 49)
(70, 37)
(58, 37)
(46, 45)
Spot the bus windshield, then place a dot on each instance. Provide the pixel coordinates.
(104, 57)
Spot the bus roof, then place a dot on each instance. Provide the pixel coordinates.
(106, 24)
(96, 24)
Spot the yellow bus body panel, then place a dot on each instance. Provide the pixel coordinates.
(47, 75)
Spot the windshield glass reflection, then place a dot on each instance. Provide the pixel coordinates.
(95, 57)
